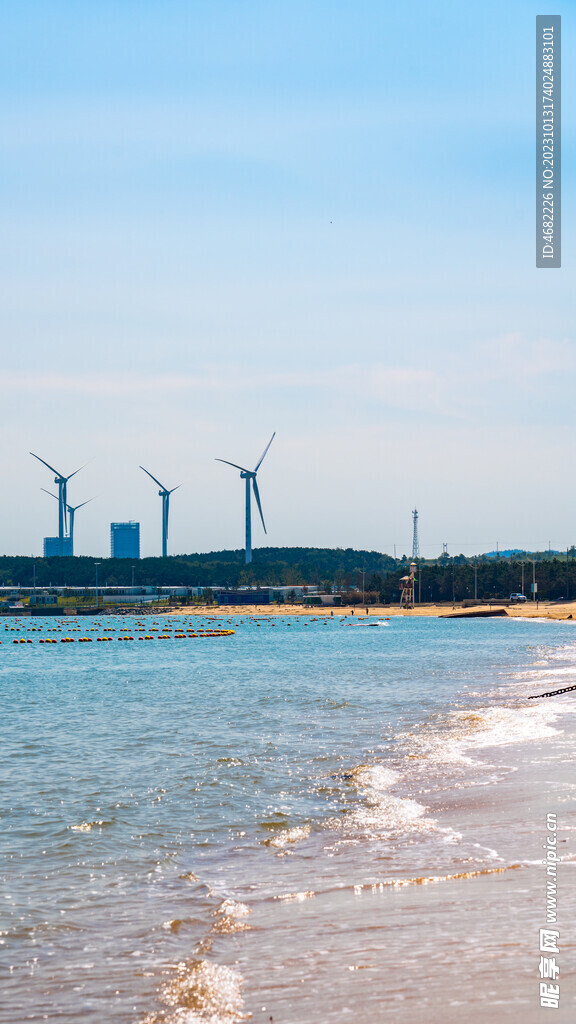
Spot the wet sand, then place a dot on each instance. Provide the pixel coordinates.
(405, 953)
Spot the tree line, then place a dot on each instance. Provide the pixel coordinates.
(487, 580)
(346, 570)
(271, 567)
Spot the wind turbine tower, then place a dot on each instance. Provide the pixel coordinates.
(415, 542)
(71, 510)
(250, 475)
(62, 482)
(164, 493)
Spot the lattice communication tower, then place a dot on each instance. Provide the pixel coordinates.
(415, 543)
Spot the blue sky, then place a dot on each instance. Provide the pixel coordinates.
(224, 219)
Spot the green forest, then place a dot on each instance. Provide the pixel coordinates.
(375, 574)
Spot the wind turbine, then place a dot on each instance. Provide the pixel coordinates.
(71, 510)
(62, 482)
(250, 475)
(165, 495)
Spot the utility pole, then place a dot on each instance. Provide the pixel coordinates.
(96, 564)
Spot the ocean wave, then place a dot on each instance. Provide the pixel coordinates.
(200, 992)
(230, 917)
(87, 826)
(476, 728)
(500, 726)
(398, 883)
(288, 836)
(381, 812)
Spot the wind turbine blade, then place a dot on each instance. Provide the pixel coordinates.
(257, 496)
(153, 478)
(264, 452)
(76, 507)
(175, 488)
(45, 464)
(71, 508)
(235, 465)
(76, 471)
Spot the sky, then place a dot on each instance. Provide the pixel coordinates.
(226, 219)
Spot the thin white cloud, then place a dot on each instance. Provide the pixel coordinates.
(376, 387)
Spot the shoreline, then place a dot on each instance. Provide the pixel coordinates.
(377, 938)
(408, 925)
(541, 610)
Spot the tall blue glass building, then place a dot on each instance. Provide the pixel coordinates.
(125, 540)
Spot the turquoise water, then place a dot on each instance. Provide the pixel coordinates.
(159, 797)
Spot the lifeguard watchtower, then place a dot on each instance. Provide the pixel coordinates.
(407, 587)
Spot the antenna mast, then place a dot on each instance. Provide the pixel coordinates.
(415, 544)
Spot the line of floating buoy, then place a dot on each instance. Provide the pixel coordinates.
(105, 639)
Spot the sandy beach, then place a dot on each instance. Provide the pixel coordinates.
(529, 610)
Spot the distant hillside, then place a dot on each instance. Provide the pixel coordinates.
(509, 553)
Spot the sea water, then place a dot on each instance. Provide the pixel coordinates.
(221, 828)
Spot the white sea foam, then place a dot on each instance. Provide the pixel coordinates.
(567, 670)
(289, 836)
(233, 908)
(500, 726)
(87, 826)
(381, 811)
(201, 992)
(231, 917)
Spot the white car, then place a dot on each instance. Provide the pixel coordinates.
(517, 597)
